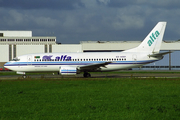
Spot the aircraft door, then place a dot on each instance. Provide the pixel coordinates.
(29, 60)
(134, 58)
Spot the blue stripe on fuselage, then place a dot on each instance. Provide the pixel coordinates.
(75, 63)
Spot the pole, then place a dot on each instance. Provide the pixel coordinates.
(169, 60)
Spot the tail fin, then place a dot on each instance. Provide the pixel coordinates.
(152, 42)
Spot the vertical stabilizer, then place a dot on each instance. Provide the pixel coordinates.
(153, 40)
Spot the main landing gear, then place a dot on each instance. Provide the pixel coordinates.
(86, 75)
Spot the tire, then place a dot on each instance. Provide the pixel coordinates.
(24, 76)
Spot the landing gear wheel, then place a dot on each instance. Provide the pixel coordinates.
(86, 75)
(24, 76)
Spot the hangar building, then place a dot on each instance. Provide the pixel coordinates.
(16, 43)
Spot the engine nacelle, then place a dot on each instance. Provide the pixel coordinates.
(68, 70)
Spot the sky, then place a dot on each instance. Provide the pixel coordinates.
(72, 21)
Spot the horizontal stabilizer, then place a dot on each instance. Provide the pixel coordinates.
(159, 54)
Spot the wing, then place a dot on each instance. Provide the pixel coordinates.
(93, 67)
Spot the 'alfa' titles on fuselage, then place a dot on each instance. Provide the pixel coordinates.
(153, 38)
(57, 58)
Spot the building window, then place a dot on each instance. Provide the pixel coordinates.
(50, 48)
(18, 40)
(45, 48)
(3, 40)
(27, 40)
(1, 34)
(14, 51)
(35, 40)
(10, 52)
(51, 40)
(11, 40)
(43, 40)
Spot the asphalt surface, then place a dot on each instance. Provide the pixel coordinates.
(152, 74)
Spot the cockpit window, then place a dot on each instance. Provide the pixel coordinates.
(15, 59)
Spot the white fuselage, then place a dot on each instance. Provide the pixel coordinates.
(52, 62)
(74, 63)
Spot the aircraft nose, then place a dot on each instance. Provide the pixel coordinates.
(6, 65)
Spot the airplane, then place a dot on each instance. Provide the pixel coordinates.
(75, 63)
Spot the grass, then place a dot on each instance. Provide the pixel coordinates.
(91, 98)
(3, 73)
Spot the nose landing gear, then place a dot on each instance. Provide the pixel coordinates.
(24, 76)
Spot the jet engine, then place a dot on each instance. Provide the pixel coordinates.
(68, 70)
